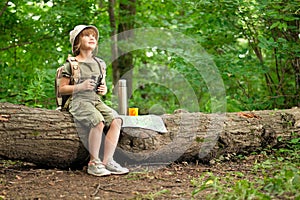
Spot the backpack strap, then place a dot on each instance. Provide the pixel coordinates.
(74, 69)
(56, 83)
(75, 76)
(101, 67)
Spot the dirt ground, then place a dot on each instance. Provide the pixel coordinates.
(20, 180)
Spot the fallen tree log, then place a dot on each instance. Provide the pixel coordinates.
(50, 138)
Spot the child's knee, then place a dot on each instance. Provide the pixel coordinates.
(117, 122)
(100, 126)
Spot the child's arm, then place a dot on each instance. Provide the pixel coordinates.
(65, 88)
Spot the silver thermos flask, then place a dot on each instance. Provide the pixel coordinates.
(122, 97)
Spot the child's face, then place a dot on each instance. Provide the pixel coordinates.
(88, 40)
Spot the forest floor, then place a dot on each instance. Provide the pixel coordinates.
(19, 180)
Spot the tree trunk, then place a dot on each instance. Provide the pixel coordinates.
(114, 45)
(127, 13)
(49, 138)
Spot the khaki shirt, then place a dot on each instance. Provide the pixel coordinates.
(86, 106)
(87, 70)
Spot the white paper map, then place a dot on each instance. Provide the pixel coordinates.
(152, 122)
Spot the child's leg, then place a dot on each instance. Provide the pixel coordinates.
(95, 137)
(111, 140)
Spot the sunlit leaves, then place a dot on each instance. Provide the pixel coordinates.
(255, 44)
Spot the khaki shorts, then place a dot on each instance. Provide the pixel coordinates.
(91, 113)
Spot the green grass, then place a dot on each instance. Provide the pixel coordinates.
(152, 195)
(277, 177)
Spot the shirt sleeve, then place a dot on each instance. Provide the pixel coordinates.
(66, 72)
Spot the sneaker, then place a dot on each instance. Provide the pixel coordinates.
(96, 168)
(116, 168)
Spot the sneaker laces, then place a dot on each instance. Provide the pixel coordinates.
(115, 164)
(97, 163)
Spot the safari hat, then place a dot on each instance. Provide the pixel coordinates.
(77, 30)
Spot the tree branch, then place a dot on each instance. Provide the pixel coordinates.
(22, 44)
(4, 8)
(15, 45)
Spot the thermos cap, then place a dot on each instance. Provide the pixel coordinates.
(122, 83)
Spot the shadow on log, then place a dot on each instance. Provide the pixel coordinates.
(49, 138)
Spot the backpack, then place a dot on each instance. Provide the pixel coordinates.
(62, 101)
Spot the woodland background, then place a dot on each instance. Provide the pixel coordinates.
(254, 44)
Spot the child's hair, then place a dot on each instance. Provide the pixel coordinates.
(77, 42)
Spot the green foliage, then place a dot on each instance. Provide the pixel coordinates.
(275, 178)
(39, 86)
(254, 44)
(34, 43)
(235, 189)
(153, 195)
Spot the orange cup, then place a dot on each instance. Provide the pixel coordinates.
(133, 111)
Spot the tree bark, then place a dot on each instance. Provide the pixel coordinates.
(114, 38)
(126, 23)
(44, 137)
(203, 137)
(49, 138)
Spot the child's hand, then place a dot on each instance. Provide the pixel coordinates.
(102, 89)
(88, 84)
